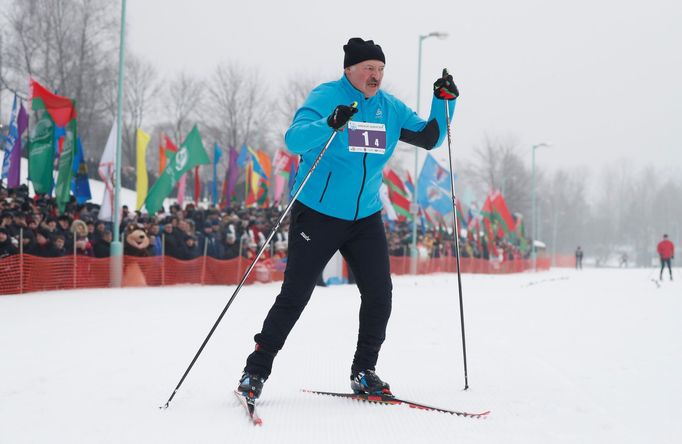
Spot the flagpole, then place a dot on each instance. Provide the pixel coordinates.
(116, 245)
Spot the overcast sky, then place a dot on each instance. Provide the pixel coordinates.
(600, 79)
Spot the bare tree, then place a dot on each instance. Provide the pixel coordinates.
(142, 87)
(500, 166)
(182, 102)
(69, 46)
(237, 106)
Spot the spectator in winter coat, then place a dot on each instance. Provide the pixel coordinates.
(190, 249)
(230, 245)
(59, 245)
(208, 242)
(102, 247)
(169, 238)
(80, 232)
(666, 251)
(339, 208)
(7, 248)
(42, 245)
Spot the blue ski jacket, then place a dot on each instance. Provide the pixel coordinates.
(345, 184)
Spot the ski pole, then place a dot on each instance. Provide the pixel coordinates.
(456, 233)
(253, 264)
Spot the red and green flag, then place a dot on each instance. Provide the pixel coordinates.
(62, 111)
(397, 194)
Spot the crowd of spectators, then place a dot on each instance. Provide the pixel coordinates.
(34, 225)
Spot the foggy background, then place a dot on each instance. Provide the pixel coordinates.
(598, 79)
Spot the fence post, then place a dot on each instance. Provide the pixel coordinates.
(163, 259)
(75, 237)
(21, 261)
(203, 264)
(239, 261)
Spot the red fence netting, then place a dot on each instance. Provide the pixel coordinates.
(24, 273)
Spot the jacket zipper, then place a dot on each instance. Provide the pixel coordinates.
(329, 176)
(362, 186)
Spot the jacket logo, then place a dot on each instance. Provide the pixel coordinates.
(379, 113)
(305, 236)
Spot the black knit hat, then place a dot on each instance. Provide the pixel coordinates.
(358, 50)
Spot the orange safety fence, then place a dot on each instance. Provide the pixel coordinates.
(23, 273)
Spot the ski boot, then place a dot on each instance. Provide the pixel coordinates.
(367, 382)
(250, 386)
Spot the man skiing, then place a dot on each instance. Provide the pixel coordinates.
(339, 209)
(666, 251)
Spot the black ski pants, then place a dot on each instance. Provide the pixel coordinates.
(665, 262)
(313, 239)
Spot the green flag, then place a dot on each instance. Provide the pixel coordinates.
(190, 154)
(63, 189)
(41, 153)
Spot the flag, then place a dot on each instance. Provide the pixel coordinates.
(397, 194)
(106, 171)
(502, 214)
(182, 186)
(259, 170)
(11, 168)
(63, 112)
(488, 214)
(217, 153)
(162, 156)
(142, 140)
(197, 185)
(190, 154)
(461, 221)
(280, 173)
(65, 166)
(409, 185)
(80, 185)
(170, 146)
(391, 214)
(231, 176)
(292, 170)
(41, 154)
(249, 155)
(12, 136)
(434, 187)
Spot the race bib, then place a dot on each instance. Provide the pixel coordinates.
(366, 137)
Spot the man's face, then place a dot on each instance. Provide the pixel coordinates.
(366, 76)
(3, 237)
(59, 242)
(64, 224)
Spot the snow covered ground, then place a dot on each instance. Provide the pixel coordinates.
(559, 357)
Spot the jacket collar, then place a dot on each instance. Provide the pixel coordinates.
(355, 93)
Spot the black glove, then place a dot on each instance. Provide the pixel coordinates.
(445, 88)
(341, 115)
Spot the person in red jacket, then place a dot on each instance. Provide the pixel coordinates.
(666, 250)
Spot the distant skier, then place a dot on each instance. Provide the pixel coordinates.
(623, 260)
(579, 258)
(666, 251)
(339, 209)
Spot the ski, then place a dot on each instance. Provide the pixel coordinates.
(250, 406)
(390, 400)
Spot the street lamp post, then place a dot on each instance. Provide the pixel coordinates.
(533, 255)
(415, 206)
(116, 244)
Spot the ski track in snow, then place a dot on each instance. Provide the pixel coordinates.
(558, 357)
